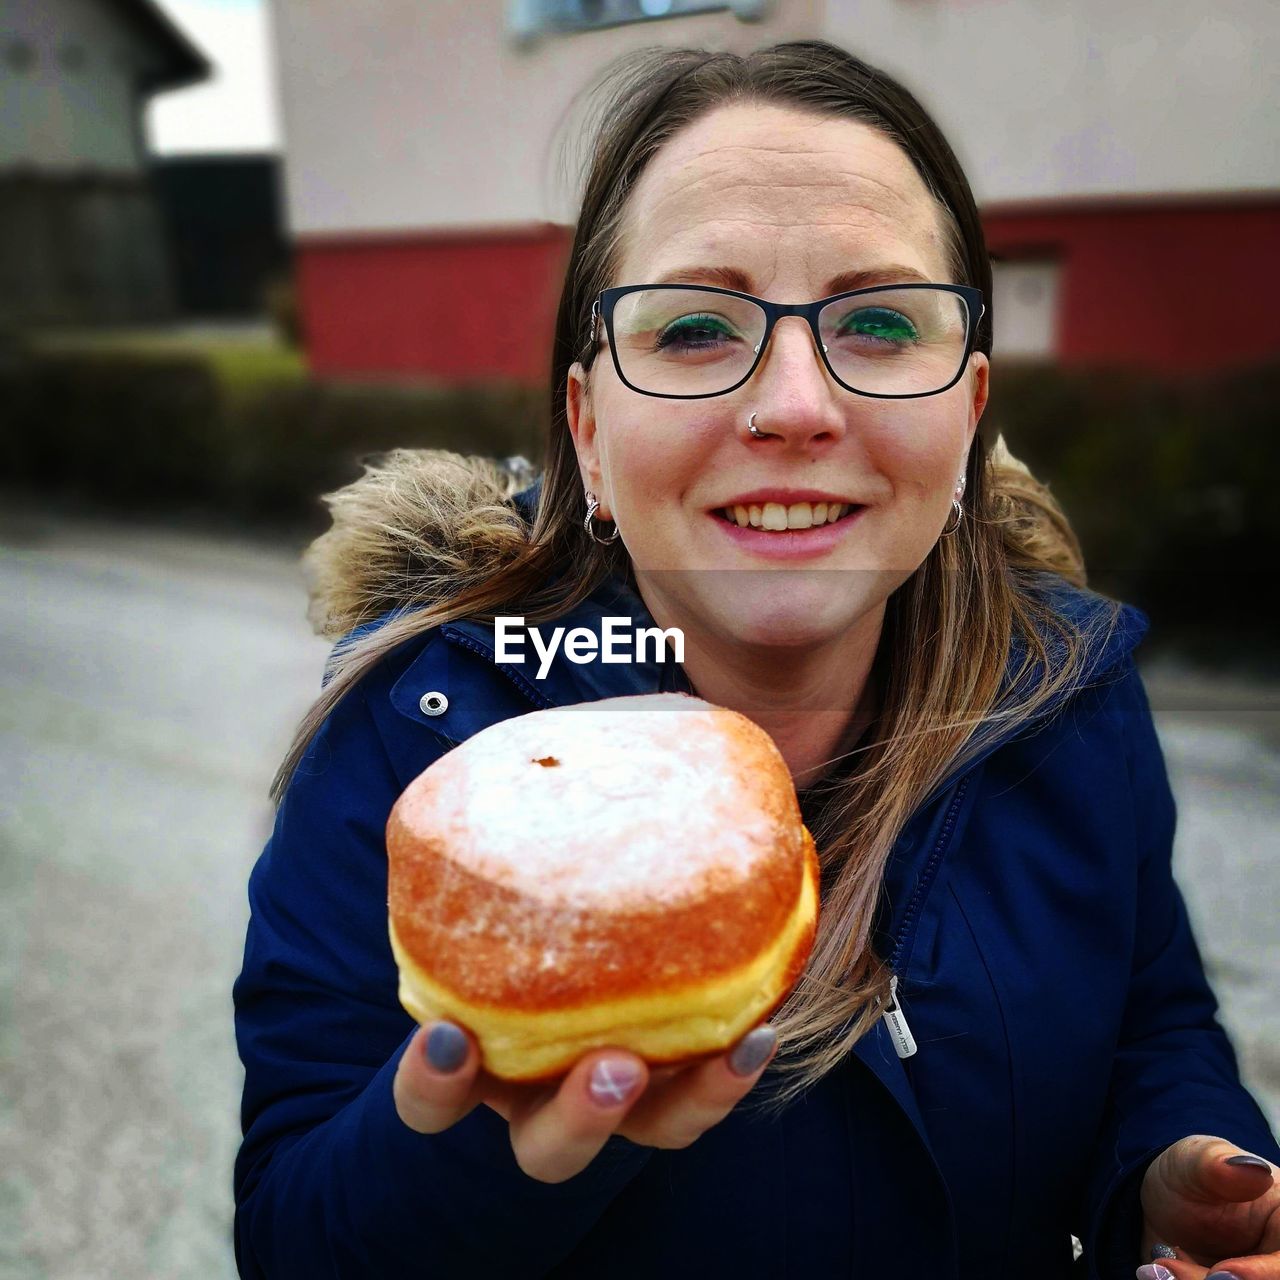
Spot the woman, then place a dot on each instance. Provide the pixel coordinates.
(805, 492)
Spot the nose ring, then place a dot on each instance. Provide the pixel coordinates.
(756, 434)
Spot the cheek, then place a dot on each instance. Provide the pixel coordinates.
(921, 455)
(651, 459)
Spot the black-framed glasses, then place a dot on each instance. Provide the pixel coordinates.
(690, 341)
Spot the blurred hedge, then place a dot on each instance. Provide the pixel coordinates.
(1170, 484)
(157, 434)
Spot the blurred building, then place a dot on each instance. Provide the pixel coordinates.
(222, 212)
(82, 238)
(1123, 156)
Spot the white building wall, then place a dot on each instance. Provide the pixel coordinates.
(406, 115)
(418, 114)
(1059, 98)
(83, 115)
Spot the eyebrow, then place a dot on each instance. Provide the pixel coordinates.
(732, 278)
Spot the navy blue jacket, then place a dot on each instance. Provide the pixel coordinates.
(1065, 1030)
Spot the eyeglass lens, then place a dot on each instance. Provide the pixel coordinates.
(689, 342)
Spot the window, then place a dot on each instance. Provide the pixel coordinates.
(528, 19)
(1026, 307)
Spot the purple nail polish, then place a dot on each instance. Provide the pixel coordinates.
(1153, 1271)
(446, 1047)
(752, 1050)
(1249, 1162)
(1222, 1275)
(1163, 1251)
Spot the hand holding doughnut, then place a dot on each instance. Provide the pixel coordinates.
(558, 1129)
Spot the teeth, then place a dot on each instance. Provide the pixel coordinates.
(773, 515)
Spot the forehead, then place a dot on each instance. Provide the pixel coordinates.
(781, 193)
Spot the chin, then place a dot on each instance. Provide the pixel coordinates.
(806, 620)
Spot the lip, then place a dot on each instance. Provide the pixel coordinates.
(788, 544)
(786, 497)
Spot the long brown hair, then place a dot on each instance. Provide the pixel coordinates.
(457, 547)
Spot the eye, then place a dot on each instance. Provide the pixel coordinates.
(693, 333)
(879, 323)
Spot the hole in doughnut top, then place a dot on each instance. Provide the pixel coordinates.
(547, 762)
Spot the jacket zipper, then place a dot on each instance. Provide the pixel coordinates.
(536, 696)
(899, 1032)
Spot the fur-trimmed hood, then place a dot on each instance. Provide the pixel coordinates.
(419, 526)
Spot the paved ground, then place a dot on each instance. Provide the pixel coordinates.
(148, 685)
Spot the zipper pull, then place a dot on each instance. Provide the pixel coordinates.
(903, 1041)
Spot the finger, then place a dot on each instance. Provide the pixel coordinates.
(1212, 1169)
(435, 1083)
(1168, 1269)
(1178, 1264)
(559, 1135)
(683, 1109)
(1172, 1261)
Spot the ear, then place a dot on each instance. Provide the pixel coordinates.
(580, 416)
(980, 371)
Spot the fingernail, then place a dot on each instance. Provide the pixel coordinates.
(1222, 1275)
(612, 1082)
(1163, 1251)
(752, 1050)
(1250, 1162)
(1154, 1271)
(446, 1047)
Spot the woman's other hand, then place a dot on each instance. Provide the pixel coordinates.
(558, 1129)
(1219, 1219)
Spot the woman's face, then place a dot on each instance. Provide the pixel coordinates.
(785, 201)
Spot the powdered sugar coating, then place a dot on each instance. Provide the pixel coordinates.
(621, 783)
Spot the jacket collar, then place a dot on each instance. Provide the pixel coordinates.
(567, 682)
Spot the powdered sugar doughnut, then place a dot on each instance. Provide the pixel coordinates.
(631, 872)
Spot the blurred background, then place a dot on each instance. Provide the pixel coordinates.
(244, 245)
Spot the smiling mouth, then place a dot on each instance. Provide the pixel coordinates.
(776, 518)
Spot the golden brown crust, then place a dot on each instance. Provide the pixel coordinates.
(597, 956)
(677, 1028)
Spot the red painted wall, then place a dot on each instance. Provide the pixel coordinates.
(458, 306)
(1177, 286)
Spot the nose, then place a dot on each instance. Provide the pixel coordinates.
(791, 391)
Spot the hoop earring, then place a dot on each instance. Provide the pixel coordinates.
(957, 510)
(592, 506)
(957, 513)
